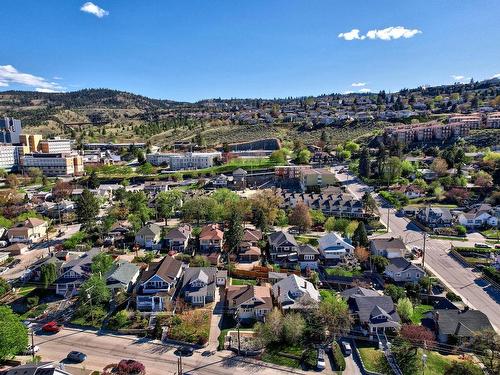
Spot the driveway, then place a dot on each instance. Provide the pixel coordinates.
(215, 322)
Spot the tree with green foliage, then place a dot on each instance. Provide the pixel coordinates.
(360, 237)
(351, 146)
(101, 264)
(281, 218)
(329, 224)
(303, 156)
(364, 163)
(335, 316)
(404, 308)
(317, 216)
(167, 202)
(278, 157)
(234, 233)
(395, 292)
(94, 288)
(93, 180)
(4, 287)
(350, 228)
(462, 368)
(146, 169)
(13, 334)
(200, 209)
(48, 274)
(392, 169)
(138, 204)
(487, 344)
(87, 208)
(199, 261)
(406, 356)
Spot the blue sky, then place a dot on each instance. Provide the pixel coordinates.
(195, 49)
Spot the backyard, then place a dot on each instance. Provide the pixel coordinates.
(419, 312)
(243, 282)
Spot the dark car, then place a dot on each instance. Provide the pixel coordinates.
(75, 356)
(185, 351)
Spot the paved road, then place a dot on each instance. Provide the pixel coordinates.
(474, 291)
(158, 359)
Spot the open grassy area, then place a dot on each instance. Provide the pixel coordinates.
(273, 356)
(305, 240)
(436, 363)
(23, 291)
(418, 313)
(338, 271)
(243, 282)
(491, 233)
(191, 326)
(372, 358)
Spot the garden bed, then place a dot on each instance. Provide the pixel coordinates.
(190, 326)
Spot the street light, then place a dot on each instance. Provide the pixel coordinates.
(424, 361)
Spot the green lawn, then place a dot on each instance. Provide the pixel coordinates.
(491, 233)
(23, 291)
(273, 356)
(338, 271)
(35, 311)
(452, 238)
(436, 363)
(243, 282)
(419, 312)
(372, 358)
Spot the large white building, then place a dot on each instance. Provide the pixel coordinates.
(56, 146)
(9, 157)
(188, 160)
(54, 164)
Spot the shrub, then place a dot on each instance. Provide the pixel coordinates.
(338, 357)
(129, 366)
(32, 301)
(309, 358)
(461, 231)
(453, 297)
(492, 273)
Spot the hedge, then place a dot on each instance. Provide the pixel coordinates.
(462, 249)
(492, 273)
(338, 357)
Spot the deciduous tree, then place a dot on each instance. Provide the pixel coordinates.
(13, 334)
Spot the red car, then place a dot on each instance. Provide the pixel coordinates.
(51, 327)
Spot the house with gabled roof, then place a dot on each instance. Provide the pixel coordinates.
(149, 236)
(249, 302)
(32, 230)
(459, 324)
(282, 247)
(435, 217)
(308, 257)
(295, 292)
(333, 248)
(122, 276)
(157, 284)
(481, 215)
(211, 238)
(177, 239)
(392, 247)
(404, 271)
(74, 273)
(199, 284)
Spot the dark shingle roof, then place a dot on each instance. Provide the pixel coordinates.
(167, 269)
(277, 238)
(461, 323)
(364, 306)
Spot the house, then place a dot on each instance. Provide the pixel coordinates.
(253, 236)
(211, 238)
(149, 236)
(248, 302)
(295, 292)
(40, 368)
(373, 312)
(154, 187)
(220, 181)
(240, 178)
(316, 178)
(31, 231)
(427, 174)
(411, 191)
(17, 248)
(199, 284)
(388, 247)
(74, 273)
(435, 217)
(35, 272)
(333, 248)
(117, 232)
(481, 215)
(157, 283)
(460, 324)
(177, 239)
(308, 257)
(282, 247)
(402, 270)
(248, 253)
(122, 276)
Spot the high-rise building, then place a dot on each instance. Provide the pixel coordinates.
(10, 130)
(10, 157)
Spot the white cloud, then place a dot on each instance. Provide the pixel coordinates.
(91, 8)
(495, 75)
(351, 35)
(460, 78)
(358, 84)
(364, 91)
(389, 33)
(57, 78)
(9, 74)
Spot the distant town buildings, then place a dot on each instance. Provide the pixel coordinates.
(188, 160)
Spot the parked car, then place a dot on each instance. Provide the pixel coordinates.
(482, 245)
(51, 327)
(347, 348)
(75, 356)
(320, 364)
(30, 350)
(185, 351)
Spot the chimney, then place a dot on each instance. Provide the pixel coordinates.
(279, 290)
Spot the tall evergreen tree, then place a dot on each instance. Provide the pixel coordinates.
(360, 237)
(364, 163)
(87, 208)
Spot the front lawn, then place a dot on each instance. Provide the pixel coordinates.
(243, 282)
(436, 363)
(343, 272)
(191, 326)
(372, 358)
(23, 291)
(272, 355)
(419, 312)
(491, 233)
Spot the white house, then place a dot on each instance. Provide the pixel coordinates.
(333, 247)
(481, 215)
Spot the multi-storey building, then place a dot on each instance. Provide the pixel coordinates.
(429, 131)
(493, 120)
(474, 120)
(316, 178)
(10, 157)
(10, 130)
(56, 164)
(31, 141)
(289, 171)
(56, 146)
(188, 160)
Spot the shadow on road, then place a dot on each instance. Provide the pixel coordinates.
(493, 292)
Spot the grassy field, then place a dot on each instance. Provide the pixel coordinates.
(372, 358)
(418, 313)
(243, 282)
(273, 356)
(491, 233)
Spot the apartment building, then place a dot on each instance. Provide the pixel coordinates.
(10, 157)
(493, 120)
(474, 120)
(55, 164)
(10, 130)
(188, 160)
(289, 171)
(56, 146)
(316, 178)
(31, 141)
(428, 132)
